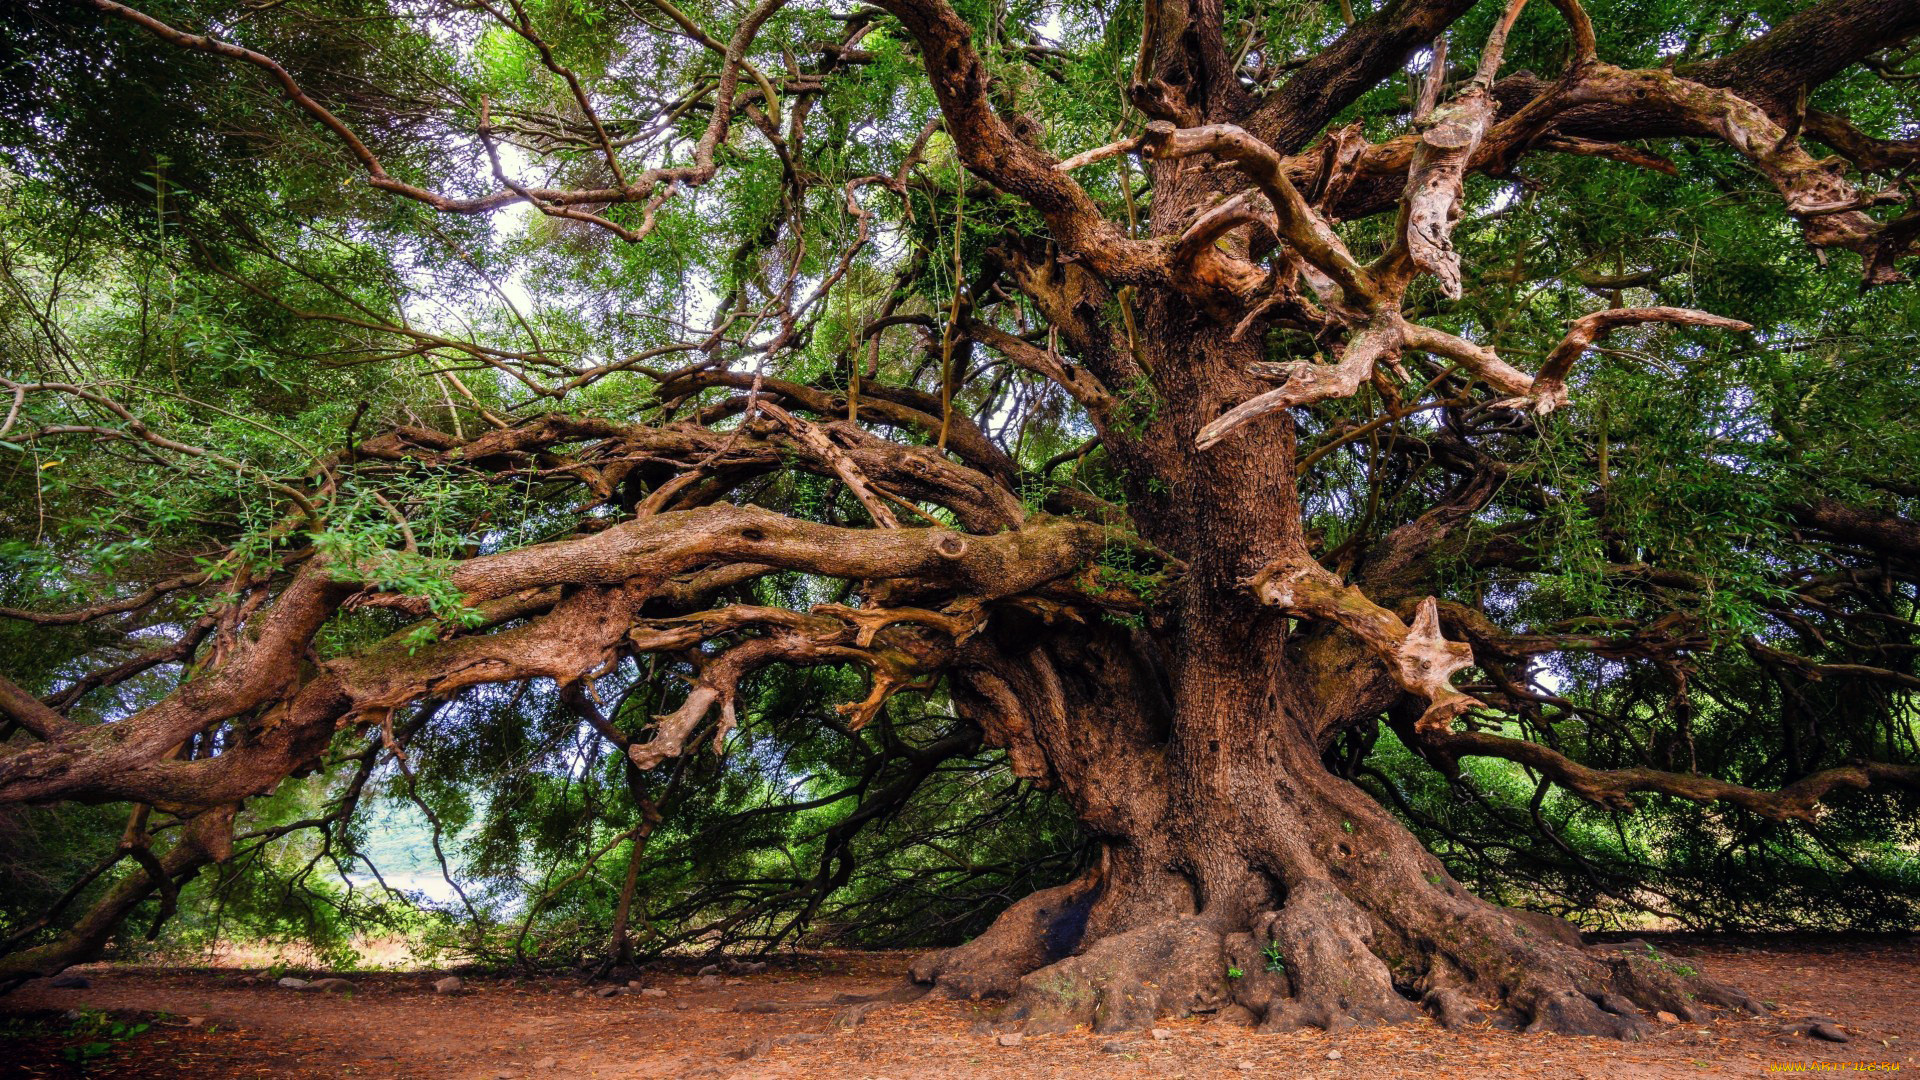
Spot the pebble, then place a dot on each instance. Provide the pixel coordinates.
(452, 984)
(652, 991)
(331, 986)
(1245, 1066)
(1012, 1038)
(609, 991)
(1117, 1047)
(1334, 1055)
(291, 983)
(1666, 1017)
(547, 1063)
(708, 981)
(1162, 1034)
(710, 969)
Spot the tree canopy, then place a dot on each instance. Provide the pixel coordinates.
(736, 475)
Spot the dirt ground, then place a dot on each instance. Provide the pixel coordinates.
(787, 1023)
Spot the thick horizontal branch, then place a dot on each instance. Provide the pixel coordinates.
(1550, 384)
(1809, 48)
(1889, 534)
(1612, 787)
(1078, 382)
(830, 635)
(607, 578)
(1418, 657)
(658, 547)
(26, 710)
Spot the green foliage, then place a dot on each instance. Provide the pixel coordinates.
(175, 238)
(1670, 859)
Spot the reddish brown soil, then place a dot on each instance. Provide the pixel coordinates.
(215, 1027)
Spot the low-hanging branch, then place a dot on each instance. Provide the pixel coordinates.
(309, 476)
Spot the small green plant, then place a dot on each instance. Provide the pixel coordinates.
(1347, 825)
(1669, 964)
(1121, 565)
(1276, 963)
(1139, 406)
(1234, 972)
(100, 1034)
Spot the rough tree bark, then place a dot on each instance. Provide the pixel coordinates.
(1226, 841)
(1191, 743)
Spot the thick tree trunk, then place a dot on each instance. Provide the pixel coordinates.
(1239, 876)
(1269, 891)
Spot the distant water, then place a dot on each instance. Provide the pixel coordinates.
(399, 841)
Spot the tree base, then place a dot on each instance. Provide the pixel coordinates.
(1319, 961)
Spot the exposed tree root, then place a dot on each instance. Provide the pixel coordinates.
(1036, 931)
(1323, 960)
(1324, 943)
(208, 838)
(1125, 982)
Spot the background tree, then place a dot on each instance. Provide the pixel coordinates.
(498, 403)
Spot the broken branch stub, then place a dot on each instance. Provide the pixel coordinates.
(1420, 659)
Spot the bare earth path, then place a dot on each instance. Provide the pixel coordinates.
(783, 1024)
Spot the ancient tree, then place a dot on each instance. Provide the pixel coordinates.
(1184, 395)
